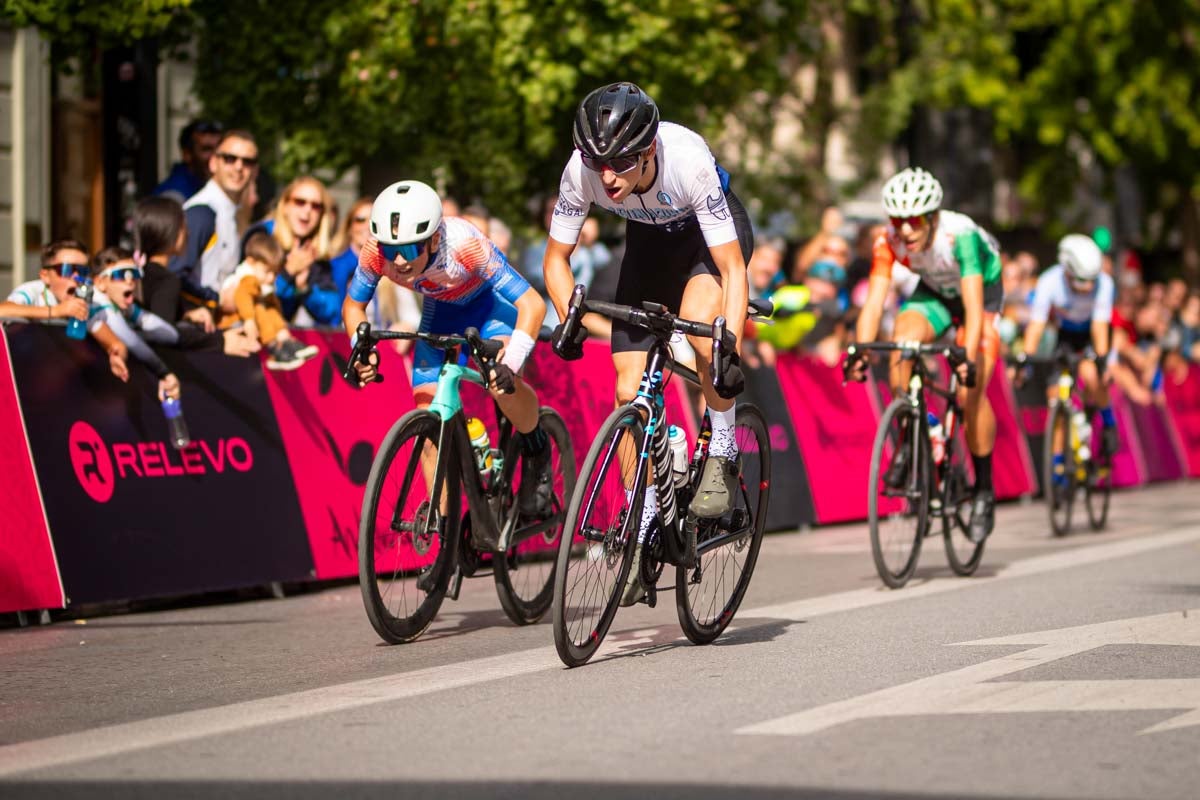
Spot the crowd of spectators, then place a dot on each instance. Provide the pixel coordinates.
(203, 274)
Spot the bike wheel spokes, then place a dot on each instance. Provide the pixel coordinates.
(708, 595)
(404, 534)
(898, 516)
(593, 562)
(963, 554)
(1059, 480)
(525, 573)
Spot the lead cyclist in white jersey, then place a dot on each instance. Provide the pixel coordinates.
(688, 239)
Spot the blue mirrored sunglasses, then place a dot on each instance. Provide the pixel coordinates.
(123, 273)
(69, 270)
(409, 252)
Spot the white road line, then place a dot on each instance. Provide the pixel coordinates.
(186, 726)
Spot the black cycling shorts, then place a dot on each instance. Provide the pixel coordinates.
(1077, 341)
(660, 260)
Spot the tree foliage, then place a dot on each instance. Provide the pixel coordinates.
(78, 25)
(477, 94)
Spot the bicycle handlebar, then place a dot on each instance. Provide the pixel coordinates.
(483, 350)
(908, 350)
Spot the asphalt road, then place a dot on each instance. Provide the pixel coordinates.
(1065, 668)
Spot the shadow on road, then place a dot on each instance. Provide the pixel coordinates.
(406, 790)
(747, 631)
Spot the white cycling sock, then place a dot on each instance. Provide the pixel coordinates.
(649, 511)
(723, 442)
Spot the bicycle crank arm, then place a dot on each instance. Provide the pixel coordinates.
(531, 530)
(722, 540)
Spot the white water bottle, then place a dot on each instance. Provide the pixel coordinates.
(679, 454)
(937, 438)
(1083, 431)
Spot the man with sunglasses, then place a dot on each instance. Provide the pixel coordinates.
(52, 296)
(213, 242)
(465, 281)
(687, 242)
(958, 264)
(1077, 296)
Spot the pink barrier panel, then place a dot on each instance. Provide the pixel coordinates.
(1129, 462)
(330, 431)
(835, 428)
(29, 576)
(1183, 402)
(1165, 459)
(1012, 464)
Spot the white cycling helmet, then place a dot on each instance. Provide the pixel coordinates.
(406, 212)
(1080, 256)
(911, 193)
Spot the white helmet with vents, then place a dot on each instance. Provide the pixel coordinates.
(1080, 256)
(911, 193)
(406, 212)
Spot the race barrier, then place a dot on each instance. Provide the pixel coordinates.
(99, 506)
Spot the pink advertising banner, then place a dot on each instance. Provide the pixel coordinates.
(835, 428)
(1165, 459)
(1129, 462)
(1183, 401)
(29, 576)
(1012, 464)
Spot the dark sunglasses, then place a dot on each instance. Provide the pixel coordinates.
(304, 202)
(230, 159)
(123, 273)
(916, 222)
(409, 252)
(68, 270)
(619, 165)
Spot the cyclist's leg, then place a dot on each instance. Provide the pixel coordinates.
(427, 365)
(919, 320)
(979, 419)
(1095, 399)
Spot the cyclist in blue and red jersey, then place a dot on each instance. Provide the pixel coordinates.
(687, 242)
(465, 281)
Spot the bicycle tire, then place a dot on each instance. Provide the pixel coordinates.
(915, 509)
(1059, 498)
(963, 555)
(582, 620)
(524, 574)
(425, 555)
(754, 478)
(1098, 491)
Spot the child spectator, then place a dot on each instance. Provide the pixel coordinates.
(117, 280)
(52, 296)
(258, 306)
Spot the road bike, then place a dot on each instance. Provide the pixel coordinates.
(1086, 463)
(934, 485)
(416, 543)
(713, 558)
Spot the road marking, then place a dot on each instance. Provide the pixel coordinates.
(175, 728)
(978, 690)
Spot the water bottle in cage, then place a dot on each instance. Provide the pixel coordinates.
(937, 438)
(679, 455)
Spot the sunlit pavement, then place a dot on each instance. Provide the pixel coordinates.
(1065, 668)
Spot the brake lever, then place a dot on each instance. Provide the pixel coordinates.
(718, 337)
(364, 345)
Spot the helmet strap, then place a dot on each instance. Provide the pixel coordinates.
(638, 188)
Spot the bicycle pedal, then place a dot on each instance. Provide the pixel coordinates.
(455, 584)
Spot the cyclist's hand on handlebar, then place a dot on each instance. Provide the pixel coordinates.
(854, 368)
(368, 368)
(733, 380)
(503, 378)
(966, 374)
(572, 348)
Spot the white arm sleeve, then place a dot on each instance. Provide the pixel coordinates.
(1042, 298)
(572, 207)
(1102, 310)
(712, 210)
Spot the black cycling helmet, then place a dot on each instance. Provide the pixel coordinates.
(615, 120)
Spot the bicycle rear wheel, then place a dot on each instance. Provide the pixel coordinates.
(407, 538)
(524, 574)
(594, 552)
(708, 595)
(963, 554)
(1060, 490)
(898, 517)
(1099, 479)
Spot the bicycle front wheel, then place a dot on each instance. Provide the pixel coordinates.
(963, 554)
(1059, 487)
(407, 538)
(524, 574)
(898, 516)
(594, 552)
(708, 595)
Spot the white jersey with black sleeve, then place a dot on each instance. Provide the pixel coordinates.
(689, 187)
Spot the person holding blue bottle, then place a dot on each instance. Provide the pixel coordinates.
(52, 296)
